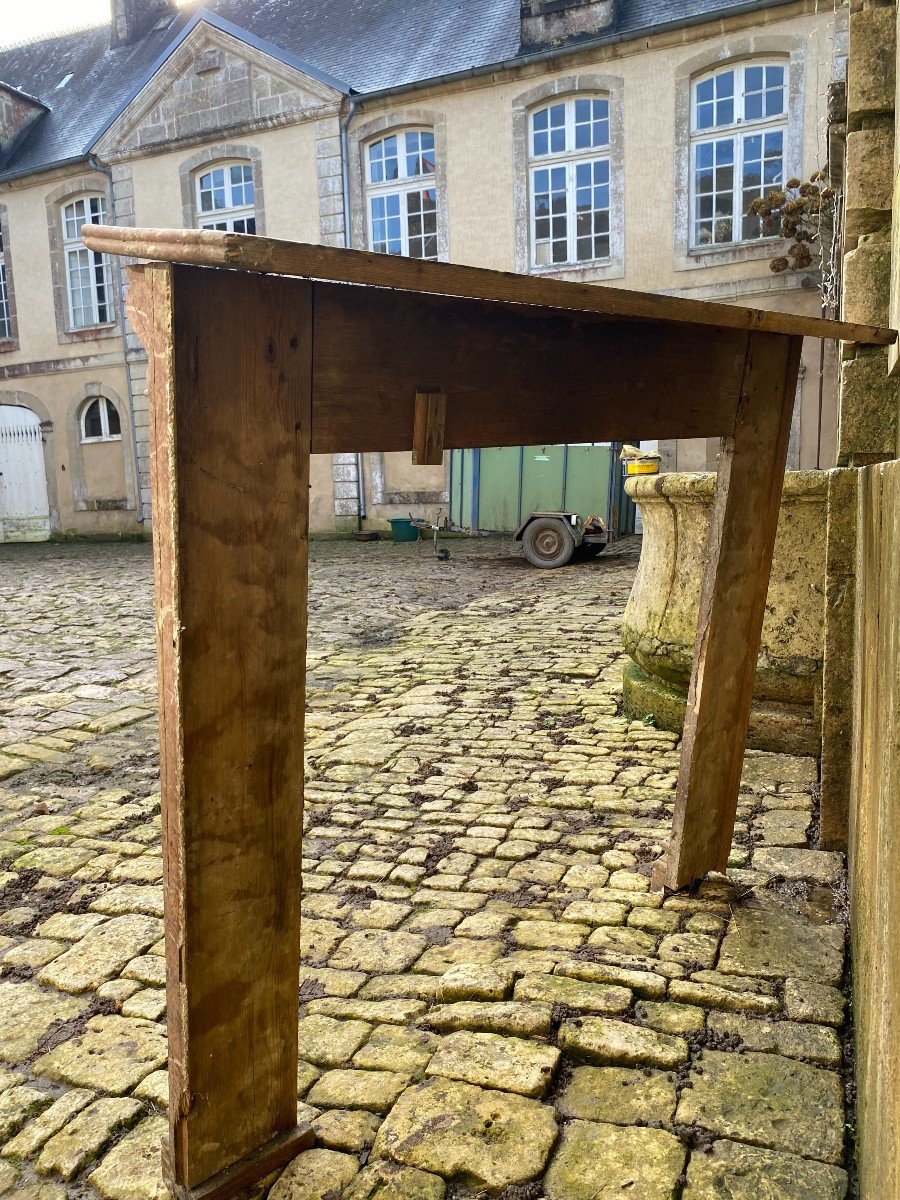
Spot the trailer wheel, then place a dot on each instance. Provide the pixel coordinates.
(548, 542)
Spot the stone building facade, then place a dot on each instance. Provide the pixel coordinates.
(613, 142)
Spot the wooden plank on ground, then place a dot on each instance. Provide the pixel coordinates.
(247, 252)
(230, 378)
(429, 418)
(732, 604)
(512, 374)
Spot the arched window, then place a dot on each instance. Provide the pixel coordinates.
(100, 421)
(569, 177)
(402, 194)
(738, 133)
(88, 276)
(225, 198)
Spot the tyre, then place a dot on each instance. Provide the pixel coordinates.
(548, 542)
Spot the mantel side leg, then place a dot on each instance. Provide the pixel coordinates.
(732, 604)
(230, 383)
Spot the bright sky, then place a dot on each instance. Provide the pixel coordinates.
(23, 20)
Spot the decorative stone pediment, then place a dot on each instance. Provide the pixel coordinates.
(213, 83)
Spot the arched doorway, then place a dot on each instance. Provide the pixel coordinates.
(24, 500)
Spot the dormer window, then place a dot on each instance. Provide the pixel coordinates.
(226, 198)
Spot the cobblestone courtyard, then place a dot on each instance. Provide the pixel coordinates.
(491, 1000)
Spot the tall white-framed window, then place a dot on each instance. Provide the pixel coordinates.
(100, 421)
(569, 181)
(5, 308)
(226, 198)
(88, 274)
(401, 194)
(739, 122)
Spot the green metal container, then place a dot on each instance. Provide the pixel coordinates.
(403, 530)
(497, 487)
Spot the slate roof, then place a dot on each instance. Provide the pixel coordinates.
(366, 45)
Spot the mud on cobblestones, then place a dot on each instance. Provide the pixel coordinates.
(492, 1001)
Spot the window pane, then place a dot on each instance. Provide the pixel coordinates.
(93, 424)
(762, 173)
(591, 210)
(419, 153)
(557, 128)
(550, 230)
(713, 192)
(421, 218)
(112, 419)
(591, 124)
(386, 229)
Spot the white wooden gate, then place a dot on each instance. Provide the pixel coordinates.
(24, 504)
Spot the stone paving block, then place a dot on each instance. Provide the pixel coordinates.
(764, 940)
(484, 1138)
(377, 950)
(318, 939)
(815, 866)
(130, 898)
(574, 993)
(51, 1121)
(769, 1101)
(148, 1003)
(808, 1001)
(814, 1043)
(396, 1012)
(113, 1055)
(388, 1181)
(374, 1090)
(619, 1095)
(26, 1013)
(69, 927)
(34, 952)
(748, 1173)
(707, 995)
(352, 1130)
(491, 1061)
(615, 1042)
(473, 981)
(517, 1018)
(19, 1103)
(566, 935)
(155, 1088)
(593, 1159)
(693, 948)
(439, 959)
(132, 1169)
(324, 981)
(328, 1042)
(391, 1048)
(642, 983)
(92, 1129)
(101, 953)
(314, 1175)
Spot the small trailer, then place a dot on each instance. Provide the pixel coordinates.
(551, 539)
(557, 500)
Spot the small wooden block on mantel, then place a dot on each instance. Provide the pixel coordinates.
(238, 1178)
(429, 419)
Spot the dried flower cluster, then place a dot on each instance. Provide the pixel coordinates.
(800, 209)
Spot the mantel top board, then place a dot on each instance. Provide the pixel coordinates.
(247, 252)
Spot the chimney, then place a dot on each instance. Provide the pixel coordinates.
(547, 23)
(133, 18)
(18, 112)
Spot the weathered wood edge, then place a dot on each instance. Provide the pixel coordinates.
(209, 247)
(241, 1175)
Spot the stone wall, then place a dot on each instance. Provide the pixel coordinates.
(864, 579)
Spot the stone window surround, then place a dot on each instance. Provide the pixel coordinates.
(589, 84)
(409, 118)
(221, 152)
(91, 391)
(92, 183)
(12, 342)
(792, 48)
(27, 400)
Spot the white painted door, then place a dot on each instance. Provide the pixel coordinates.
(24, 504)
